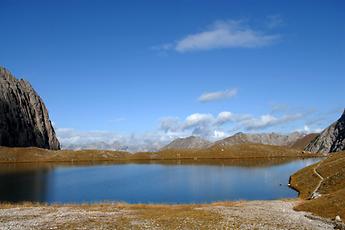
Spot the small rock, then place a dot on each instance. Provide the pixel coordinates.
(338, 219)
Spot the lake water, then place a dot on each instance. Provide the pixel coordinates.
(173, 182)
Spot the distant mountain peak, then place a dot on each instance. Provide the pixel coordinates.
(191, 142)
(261, 138)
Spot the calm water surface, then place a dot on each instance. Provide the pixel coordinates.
(149, 183)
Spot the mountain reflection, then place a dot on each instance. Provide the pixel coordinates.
(24, 186)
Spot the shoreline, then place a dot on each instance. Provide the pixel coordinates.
(134, 160)
(236, 152)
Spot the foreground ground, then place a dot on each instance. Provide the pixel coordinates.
(277, 214)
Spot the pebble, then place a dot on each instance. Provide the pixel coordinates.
(338, 219)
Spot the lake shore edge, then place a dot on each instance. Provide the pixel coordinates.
(236, 152)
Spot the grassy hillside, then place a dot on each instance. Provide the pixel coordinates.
(215, 152)
(32, 154)
(228, 152)
(332, 187)
(304, 141)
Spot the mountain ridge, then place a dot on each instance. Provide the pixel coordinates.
(191, 142)
(331, 139)
(261, 138)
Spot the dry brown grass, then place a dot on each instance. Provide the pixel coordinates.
(16, 155)
(332, 201)
(32, 154)
(229, 152)
(304, 181)
(304, 141)
(328, 206)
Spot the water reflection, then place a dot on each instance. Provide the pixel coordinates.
(24, 186)
(150, 182)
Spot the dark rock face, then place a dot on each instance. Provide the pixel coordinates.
(24, 119)
(332, 139)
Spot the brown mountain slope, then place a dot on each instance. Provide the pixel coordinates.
(247, 150)
(304, 141)
(191, 142)
(261, 138)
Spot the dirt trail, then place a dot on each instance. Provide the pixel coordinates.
(315, 194)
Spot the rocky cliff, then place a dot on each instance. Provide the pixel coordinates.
(191, 142)
(24, 119)
(332, 139)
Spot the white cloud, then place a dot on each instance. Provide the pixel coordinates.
(268, 120)
(219, 95)
(150, 141)
(223, 34)
(170, 124)
(224, 117)
(207, 124)
(307, 129)
(198, 119)
(71, 136)
(219, 134)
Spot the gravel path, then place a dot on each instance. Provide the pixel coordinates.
(315, 194)
(233, 215)
(269, 215)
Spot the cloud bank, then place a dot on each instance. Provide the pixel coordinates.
(211, 126)
(207, 125)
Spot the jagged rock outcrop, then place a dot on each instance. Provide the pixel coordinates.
(24, 119)
(191, 142)
(261, 138)
(332, 139)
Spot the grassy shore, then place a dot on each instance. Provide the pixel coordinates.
(18, 155)
(331, 186)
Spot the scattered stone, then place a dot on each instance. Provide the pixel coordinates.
(338, 219)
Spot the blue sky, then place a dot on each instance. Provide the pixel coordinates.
(175, 68)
